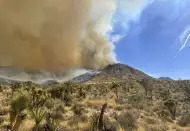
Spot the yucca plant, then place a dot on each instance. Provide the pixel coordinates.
(38, 115)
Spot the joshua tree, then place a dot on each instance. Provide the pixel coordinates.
(19, 118)
(148, 86)
(18, 105)
(172, 106)
(101, 123)
(115, 87)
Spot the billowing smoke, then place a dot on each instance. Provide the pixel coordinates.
(53, 35)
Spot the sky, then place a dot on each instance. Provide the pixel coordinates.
(154, 36)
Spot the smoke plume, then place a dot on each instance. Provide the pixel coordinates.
(53, 35)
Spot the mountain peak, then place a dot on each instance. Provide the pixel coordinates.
(124, 71)
(165, 78)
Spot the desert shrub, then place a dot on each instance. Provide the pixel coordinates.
(78, 109)
(76, 120)
(50, 103)
(94, 121)
(56, 114)
(119, 107)
(165, 94)
(161, 110)
(121, 100)
(67, 99)
(84, 118)
(56, 92)
(82, 93)
(185, 119)
(16, 86)
(164, 115)
(38, 97)
(52, 124)
(55, 104)
(60, 108)
(108, 125)
(2, 119)
(137, 100)
(127, 120)
(63, 92)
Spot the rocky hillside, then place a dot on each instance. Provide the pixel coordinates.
(115, 72)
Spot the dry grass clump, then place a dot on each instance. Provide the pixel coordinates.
(157, 127)
(4, 110)
(120, 107)
(27, 125)
(97, 103)
(3, 119)
(179, 128)
(108, 123)
(128, 120)
(151, 120)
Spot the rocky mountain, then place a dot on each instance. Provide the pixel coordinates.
(165, 78)
(113, 72)
(123, 71)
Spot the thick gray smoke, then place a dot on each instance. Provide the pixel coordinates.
(53, 35)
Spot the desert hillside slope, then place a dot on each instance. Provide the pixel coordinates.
(116, 98)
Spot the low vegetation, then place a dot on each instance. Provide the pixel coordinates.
(135, 105)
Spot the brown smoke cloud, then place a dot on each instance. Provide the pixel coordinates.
(55, 34)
